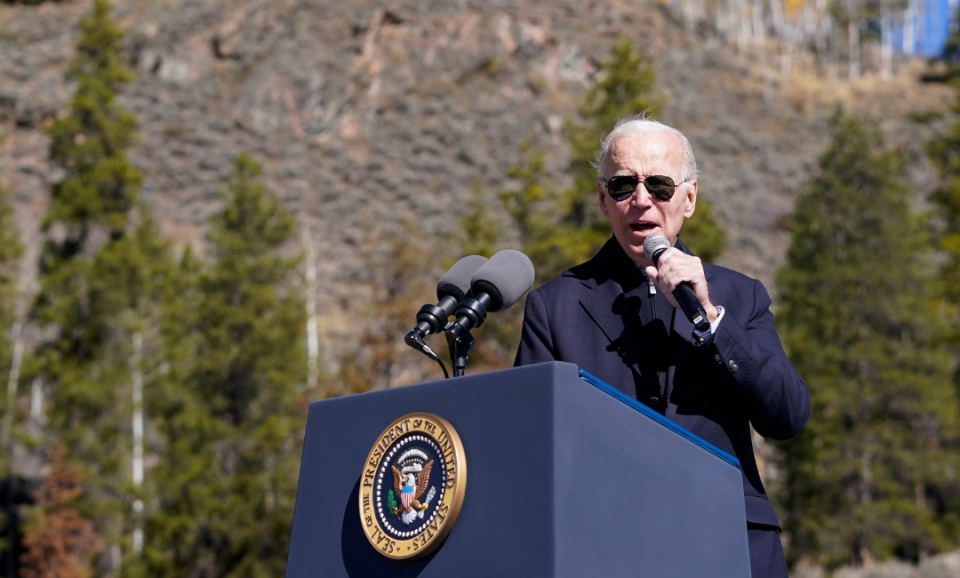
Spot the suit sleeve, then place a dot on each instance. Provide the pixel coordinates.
(536, 343)
(764, 381)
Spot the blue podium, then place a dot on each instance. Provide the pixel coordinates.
(567, 478)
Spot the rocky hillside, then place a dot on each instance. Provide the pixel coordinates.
(369, 116)
(376, 120)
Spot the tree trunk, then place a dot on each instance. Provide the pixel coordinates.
(313, 341)
(909, 28)
(36, 402)
(17, 333)
(853, 33)
(886, 43)
(757, 20)
(137, 474)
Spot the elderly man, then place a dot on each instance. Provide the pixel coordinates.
(616, 317)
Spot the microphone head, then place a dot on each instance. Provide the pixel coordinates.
(456, 282)
(654, 245)
(506, 277)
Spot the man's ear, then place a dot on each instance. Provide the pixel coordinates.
(691, 194)
(603, 200)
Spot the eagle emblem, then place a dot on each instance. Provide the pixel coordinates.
(410, 481)
(410, 517)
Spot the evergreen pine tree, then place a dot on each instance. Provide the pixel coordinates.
(869, 476)
(232, 412)
(102, 270)
(57, 540)
(944, 151)
(186, 439)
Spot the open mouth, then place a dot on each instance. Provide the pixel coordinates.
(643, 226)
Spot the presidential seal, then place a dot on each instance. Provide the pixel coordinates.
(412, 486)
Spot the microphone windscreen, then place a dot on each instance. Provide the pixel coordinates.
(456, 282)
(654, 245)
(506, 277)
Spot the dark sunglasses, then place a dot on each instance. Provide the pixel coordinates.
(620, 187)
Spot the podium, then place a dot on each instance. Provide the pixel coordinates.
(567, 478)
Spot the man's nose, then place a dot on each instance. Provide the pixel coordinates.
(641, 197)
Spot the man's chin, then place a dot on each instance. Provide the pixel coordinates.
(633, 247)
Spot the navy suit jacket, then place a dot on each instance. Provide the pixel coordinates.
(591, 315)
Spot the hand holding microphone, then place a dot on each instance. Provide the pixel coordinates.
(681, 279)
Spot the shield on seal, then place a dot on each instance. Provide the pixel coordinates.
(406, 496)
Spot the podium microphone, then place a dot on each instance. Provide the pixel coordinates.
(496, 286)
(653, 247)
(451, 290)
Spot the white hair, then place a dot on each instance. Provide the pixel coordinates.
(637, 125)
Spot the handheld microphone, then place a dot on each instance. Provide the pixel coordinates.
(451, 289)
(653, 247)
(496, 286)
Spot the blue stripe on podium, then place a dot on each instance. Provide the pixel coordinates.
(671, 425)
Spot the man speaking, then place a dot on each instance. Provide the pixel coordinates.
(616, 316)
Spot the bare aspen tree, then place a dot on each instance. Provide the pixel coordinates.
(313, 341)
(827, 34)
(779, 21)
(689, 16)
(16, 335)
(757, 22)
(137, 427)
(743, 36)
(818, 20)
(853, 35)
(909, 28)
(886, 42)
(36, 401)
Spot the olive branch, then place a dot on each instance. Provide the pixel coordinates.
(392, 503)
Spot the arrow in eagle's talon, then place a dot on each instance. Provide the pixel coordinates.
(426, 503)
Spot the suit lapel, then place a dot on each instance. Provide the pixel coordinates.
(597, 302)
(605, 303)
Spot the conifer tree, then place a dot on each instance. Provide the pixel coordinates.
(186, 438)
(57, 540)
(233, 410)
(871, 474)
(944, 151)
(102, 270)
